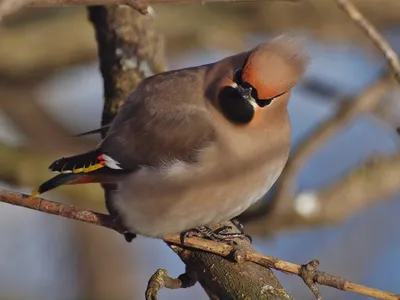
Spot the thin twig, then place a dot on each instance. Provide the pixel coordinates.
(161, 279)
(380, 42)
(221, 249)
(364, 102)
(8, 7)
(61, 3)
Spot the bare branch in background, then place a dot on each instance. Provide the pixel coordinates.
(306, 272)
(8, 7)
(390, 55)
(57, 40)
(364, 102)
(160, 279)
(38, 49)
(283, 198)
(282, 202)
(58, 3)
(372, 183)
(19, 103)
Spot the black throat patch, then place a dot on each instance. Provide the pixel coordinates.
(234, 106)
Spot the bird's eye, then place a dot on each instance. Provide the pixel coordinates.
(248, 86)
(235, 106)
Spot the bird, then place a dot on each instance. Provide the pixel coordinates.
(194, 147)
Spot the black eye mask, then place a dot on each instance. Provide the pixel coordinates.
(235, 106)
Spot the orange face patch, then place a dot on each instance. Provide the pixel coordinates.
(264, 90)
(226, 82)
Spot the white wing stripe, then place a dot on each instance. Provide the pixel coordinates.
(111, 163)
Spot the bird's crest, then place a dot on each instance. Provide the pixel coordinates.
(274, 67)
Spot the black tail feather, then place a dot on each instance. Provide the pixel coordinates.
(97, 176)
(56, 181)
(70, 164)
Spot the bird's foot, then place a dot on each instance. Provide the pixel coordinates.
(218, 235)
(129, 236)
(239, 226)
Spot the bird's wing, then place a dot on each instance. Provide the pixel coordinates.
(164, 120)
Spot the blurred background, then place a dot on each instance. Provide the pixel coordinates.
(50, 88)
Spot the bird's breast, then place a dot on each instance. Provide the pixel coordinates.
(225, 181)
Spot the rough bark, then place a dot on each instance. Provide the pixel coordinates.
(225, 279)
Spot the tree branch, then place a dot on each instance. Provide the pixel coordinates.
(380, 42)
(160, 279)
(371, 183)
(59, 42)
(362, 187)
(282, 203)
(226, 251)
(366, 101)
(8, 7)
(61, 3)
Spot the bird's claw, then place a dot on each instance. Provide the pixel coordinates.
(218, 235)
(129, 236)
(239, 226)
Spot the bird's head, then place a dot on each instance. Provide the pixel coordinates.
(264, 80)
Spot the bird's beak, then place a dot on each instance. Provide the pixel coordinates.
(246, 95)
(244, 92)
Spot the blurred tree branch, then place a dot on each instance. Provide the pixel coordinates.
(38, 49)
(364, 102)
(23, 167)
(19, 103)
(380, 42)
(282, 205)
(58, 40)
(373, 182)
(282, 201)
(236, 254)
(11, 6)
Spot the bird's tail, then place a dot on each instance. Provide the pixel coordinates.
(89, 167)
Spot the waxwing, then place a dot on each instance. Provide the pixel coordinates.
(194, 147)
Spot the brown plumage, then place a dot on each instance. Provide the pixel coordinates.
(197, 146)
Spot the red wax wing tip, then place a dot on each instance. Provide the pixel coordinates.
(100, 157)
(102, 162)
(83, 179)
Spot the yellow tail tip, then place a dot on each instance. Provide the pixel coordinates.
(33, 195)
